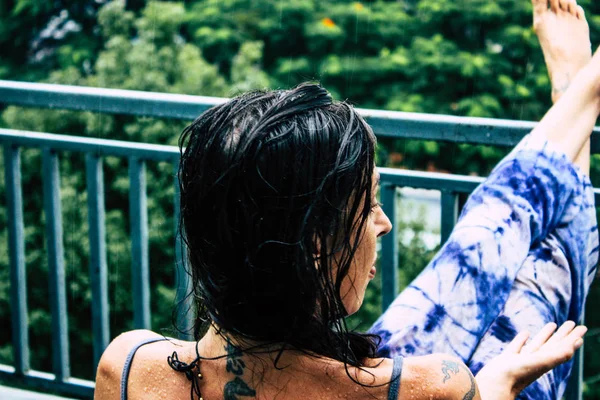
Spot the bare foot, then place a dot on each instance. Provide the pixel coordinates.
(564, 35)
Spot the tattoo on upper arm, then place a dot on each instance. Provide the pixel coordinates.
(236, 365)
(451, 367)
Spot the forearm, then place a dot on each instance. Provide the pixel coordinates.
(493, 389)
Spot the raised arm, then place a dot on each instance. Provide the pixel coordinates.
(448, 378)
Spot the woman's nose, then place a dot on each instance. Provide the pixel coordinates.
(386, 224)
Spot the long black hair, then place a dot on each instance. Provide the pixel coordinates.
(272, 185)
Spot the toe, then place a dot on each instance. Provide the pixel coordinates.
(563, 5)
(554, 4)
(539, 6)
(580, 12)
(572, 5)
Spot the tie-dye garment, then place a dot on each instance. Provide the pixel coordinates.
(523, 253)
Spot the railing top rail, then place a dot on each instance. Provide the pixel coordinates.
(443, 182)
(429, 180)
(393, 124)
(110, 101)
(104, 147)
(107, 147)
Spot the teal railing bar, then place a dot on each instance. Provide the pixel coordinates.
(575, 385)
(389, 247)
(429, 180)
(101, 147)
(46, 382)
(56, 265)
(435, 180)
(110, 101)
(16, 254)
(183, 282)
(449, 214)
(392, 124)
(98, 267)
(139, 243)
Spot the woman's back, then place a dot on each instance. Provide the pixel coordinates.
(232, 375)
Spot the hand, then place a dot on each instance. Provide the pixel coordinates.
(506, 375)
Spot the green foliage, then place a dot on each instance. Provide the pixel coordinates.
(160, 21)
(472, 58)
(246, 73)
(114, 20)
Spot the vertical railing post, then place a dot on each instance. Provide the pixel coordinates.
(183, 297)
(389, 248)
(98, 268)
(16, 255)
(575, 385)
(449, 214)
(139, 243)
(56, 265)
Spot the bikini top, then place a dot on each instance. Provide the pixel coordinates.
(392, 393)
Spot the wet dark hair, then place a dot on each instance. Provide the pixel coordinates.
(272, 185)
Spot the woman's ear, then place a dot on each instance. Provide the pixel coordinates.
(317, 250)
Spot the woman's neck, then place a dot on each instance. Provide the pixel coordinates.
(216, 343)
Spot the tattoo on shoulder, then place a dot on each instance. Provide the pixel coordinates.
(236, 365)
(447, 367)
(237, 387)
(452, 367)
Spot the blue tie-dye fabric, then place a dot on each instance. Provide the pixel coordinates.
(522, 254)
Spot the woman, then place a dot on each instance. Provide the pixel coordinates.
(280, 219)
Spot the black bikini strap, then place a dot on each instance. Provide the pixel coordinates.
(395, 381)
(129, 359)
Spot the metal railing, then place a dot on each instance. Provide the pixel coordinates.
(385, 124)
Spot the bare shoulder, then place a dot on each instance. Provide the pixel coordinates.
(110, 368)
(431, 377)
(437, 376)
